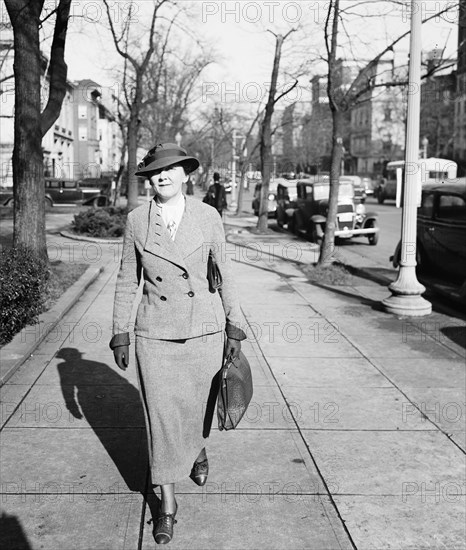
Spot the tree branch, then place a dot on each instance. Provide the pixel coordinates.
(58, 68)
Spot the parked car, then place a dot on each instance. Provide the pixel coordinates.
(368, 184)
(286, 202)
(310, 215)
(69, 192)
(441, 232)
(272, 197)
(64, 192)
(359, 187)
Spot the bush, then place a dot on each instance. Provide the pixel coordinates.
(23, 289)
(101, 222)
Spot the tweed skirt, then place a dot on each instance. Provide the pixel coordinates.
(178, 384)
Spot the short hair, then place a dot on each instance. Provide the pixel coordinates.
(216, 176)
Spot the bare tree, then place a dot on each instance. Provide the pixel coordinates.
(30, 123)
(173, 89)
(343, 98)
(134, 89)
(266, 130)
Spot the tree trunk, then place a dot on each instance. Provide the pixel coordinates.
(28, 170)
(242, 181)
(328, 245)
(133, 125)
(266, 139)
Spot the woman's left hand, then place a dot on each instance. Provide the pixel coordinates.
(233, 348)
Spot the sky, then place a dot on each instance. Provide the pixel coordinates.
(238, 33)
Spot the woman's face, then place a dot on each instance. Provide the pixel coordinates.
(168, 182)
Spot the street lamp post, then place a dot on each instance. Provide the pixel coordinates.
(406, 291)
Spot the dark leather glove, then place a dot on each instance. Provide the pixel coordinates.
(233, 348)
(121, 356)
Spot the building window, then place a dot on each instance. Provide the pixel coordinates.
(83, 133)
(387, 114)
(82, 111)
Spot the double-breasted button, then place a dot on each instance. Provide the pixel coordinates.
(190, 293)
(185, 276)
(159, 279)
(163, 298)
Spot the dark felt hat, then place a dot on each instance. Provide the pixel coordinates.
(164, 155)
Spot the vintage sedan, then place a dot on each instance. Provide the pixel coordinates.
(64, 192)
(71, 192)
(441, 232)
(310, 216)
(271, 197)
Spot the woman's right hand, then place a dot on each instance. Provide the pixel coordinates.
(121, 356)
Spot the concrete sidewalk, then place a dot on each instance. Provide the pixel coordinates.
(354, 439)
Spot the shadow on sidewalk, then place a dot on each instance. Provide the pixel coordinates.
(12, 534)
(113, 408)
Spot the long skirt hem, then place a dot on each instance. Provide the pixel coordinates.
(178, 383)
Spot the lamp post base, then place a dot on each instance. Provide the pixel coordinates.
(406, 299)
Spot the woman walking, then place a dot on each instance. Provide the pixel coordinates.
(180, 323)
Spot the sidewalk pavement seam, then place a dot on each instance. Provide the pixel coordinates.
(50, 320)
(362, 272)
(85, 285)
(303, 439)
(369, 360)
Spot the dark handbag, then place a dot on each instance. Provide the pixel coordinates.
(235, 392)
(213, 274)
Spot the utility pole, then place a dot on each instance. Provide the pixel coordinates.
(406, 291)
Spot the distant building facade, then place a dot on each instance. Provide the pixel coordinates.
(84, 142)
(58, 142)
(378, 124)
(437, 123)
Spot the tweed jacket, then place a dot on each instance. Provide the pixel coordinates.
(176, 301)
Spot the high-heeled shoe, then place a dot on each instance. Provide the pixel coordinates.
(163, 532)
(199, 472)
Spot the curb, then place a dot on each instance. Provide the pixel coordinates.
(444, 291)
(16, 352)
(76, 237)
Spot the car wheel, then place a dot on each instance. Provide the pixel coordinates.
(48, 203)
(9, 203)
(373, 237)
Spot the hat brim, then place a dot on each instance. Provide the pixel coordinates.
(190, 164)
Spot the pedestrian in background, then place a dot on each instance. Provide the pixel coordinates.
(216, 195)
(189, 186)
(179, 325)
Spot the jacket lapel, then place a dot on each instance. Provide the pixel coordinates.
(189, 236)
(158, 240)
